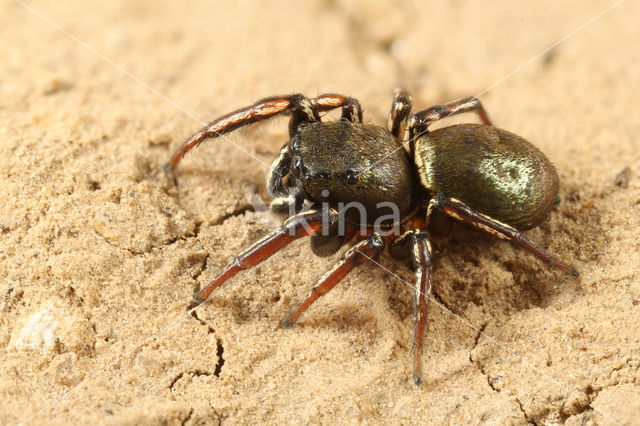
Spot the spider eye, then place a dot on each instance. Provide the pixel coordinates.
(352, 177)
(296, 166)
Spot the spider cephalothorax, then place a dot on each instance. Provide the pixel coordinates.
(346, 181)
(354, 163)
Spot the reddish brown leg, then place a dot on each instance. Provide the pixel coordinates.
(295, 227)
(422, 263)
(400, 110)
(351, 110)
(416, 244)
(460, 211)
(301, 108)
(430, 115)
(364, 250)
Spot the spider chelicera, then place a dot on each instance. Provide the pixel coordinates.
(476, 174)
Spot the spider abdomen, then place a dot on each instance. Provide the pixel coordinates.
(491, 170)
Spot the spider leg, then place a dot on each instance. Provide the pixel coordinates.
(422, 119)
(300, 225)
(400, 110)
(289, 205)
(279, 169)
(301, 108)
(366, 249)
(351, 110)
(421, 252)
(458, 210)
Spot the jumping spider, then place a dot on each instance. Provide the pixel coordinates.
(485, 177)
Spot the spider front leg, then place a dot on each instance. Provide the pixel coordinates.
(463, 213)
(301, 108)
(300, 225)
(351, 109)
(423, 119)
(366, 249)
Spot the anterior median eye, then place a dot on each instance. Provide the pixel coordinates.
(352, 177)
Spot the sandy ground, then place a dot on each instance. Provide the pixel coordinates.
(101, 251)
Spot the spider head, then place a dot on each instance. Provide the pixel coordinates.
(354, 167)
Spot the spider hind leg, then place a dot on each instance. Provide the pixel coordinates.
(459, 211)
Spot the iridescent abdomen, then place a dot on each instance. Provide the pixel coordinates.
(491, 170)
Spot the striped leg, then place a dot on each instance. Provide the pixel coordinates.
(295, 227)
(400, 110)
(422, 262)
(301, 108)
(351, 110)
(463, 213)
(364, 250)
(416, 243)
(423, 119)
(278, 170)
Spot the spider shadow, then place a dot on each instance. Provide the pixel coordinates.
(474, 268)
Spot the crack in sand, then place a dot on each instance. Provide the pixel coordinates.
(477, 362)
(524, 413)
(195, 373)
(219, 353)
(591, 391)
(591, 394)
(203, 268)
(161, 246)
(184, 422)
(219, 347)
(490, 380)
(236, 212)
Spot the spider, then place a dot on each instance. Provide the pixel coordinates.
(482, 176)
